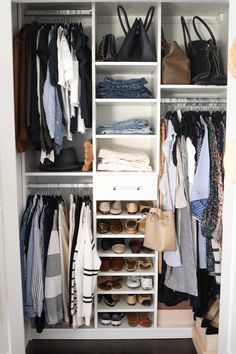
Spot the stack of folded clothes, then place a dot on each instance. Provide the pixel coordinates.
(130, 126)
(133, 88)
(119, 160)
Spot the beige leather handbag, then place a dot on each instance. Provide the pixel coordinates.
(175, 64)
(160, 230)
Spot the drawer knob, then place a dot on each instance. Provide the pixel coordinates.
(136, 188)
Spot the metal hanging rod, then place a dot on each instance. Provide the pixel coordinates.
(58, 13)
(193, 100)
(60, 185)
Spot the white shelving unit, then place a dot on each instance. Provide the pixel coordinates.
(104, 20)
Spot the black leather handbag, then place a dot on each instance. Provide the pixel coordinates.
(107, 48)
(203, 55)
(136, 45)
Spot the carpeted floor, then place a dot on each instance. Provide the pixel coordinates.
(136, 346)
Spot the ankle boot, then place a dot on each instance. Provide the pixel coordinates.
(213, 328)
(211, 313)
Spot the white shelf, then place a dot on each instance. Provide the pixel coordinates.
(121, 235)
(125, 290)
(125, 67)
(102, 173)
(122, 306)
(60, 174)
(196, 90)
(125, 273)
(124, 136)
(124, 325)
(126, 101)
(126, 254)
(120, 216)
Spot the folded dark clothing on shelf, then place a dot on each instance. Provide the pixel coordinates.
(132, 88)
(145, 93)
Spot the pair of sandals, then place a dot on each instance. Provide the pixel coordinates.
(133, 226)
(114, 226)
(142, 207)
(109, 283)
(135, 282)
(132, 264)
(114, 208)
(142, 299)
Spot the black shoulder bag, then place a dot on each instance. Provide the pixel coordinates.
(136, 45)
(203, 55)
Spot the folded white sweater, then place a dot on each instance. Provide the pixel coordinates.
(120, 166)
(132, 156)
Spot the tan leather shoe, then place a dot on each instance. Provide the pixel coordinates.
(131, 299)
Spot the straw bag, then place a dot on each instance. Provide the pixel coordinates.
(160, 230)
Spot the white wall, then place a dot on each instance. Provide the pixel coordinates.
(227, 343)
(12, 327)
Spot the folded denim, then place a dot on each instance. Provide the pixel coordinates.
(142, 81)
(127, 124)
(104, 86)
(131, 84)
(125, 94)
(128, 131)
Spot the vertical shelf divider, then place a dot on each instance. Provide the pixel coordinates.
(94, 139)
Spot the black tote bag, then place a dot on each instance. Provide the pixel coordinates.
(203, 55)
(136, 45)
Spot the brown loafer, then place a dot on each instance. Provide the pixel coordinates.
(135, 245)
(105, 283)
(105, 265)
(144, 320)
(117, 282)
(132, 319)
(116, 226)
(116, 264)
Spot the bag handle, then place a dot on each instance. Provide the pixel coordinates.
(149, 17)
(119, 9)
(164, 43)
(186, 31)
(206, 26)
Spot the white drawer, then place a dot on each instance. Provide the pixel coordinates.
(125, 187)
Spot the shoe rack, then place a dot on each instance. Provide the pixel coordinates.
(122, 306)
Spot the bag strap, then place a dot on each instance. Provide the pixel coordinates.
(186, 31)
(119, 10)
(149, 17)
(164, 43)
(206, 26)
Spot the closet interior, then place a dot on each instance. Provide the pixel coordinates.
(103, 184)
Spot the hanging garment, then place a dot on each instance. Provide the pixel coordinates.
(83, 54)
(87, 265)
(63, 232)
(168, 188)
(53, 278)
(73, 254)
(184, 277)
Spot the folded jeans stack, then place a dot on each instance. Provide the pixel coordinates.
(132, 88)
(129, 126)
(119, 160)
